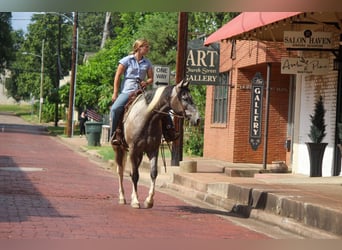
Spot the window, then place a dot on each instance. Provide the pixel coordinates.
(221, 99)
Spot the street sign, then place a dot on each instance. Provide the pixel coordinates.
(161, 75)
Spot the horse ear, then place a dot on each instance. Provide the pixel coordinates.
(179, 85)
(185, 84)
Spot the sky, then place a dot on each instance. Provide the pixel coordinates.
(20, 20)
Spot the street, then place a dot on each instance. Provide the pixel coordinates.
(49, 191)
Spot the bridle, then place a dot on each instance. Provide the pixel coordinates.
(171, 111)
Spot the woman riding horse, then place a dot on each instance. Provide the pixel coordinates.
(142, 126)
(135, 68)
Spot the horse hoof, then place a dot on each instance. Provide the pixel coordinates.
(148, 204)
(122, 201)
(135, 205)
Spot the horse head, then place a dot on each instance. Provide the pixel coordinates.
(182, 103)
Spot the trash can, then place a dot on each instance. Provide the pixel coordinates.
(93, 133)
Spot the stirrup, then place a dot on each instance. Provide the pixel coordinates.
(114, 141)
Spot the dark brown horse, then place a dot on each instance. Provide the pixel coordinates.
(143, 133)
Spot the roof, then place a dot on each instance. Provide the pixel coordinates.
(247, 21)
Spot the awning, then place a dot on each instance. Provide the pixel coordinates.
(247, 21)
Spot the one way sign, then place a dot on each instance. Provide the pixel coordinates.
(161, 75)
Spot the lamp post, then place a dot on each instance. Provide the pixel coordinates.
(70, 127)
(41, 78)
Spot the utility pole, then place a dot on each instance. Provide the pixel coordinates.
(58, 69)
(41, 83)
(177, 146)
(73, 77)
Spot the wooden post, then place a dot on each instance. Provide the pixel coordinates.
(73, 78)
(177, 146)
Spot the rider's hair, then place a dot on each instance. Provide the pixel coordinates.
(138, 44)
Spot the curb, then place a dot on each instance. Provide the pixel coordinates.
(271, 206)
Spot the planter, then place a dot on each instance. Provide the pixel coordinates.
(316, 153)
(279, 167)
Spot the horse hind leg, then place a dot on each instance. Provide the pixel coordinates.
(135, 160)
(120, 161)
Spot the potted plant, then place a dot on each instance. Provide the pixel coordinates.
(317, 132)
(339, 130)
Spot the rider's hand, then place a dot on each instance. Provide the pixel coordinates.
(114, 96)
(143, 84)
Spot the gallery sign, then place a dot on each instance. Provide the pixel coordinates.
(202, 63)
(301, 65)
(308, 39)
(257, 91)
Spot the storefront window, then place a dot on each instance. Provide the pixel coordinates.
(221, 99)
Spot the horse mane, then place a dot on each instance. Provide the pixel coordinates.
(151, 93)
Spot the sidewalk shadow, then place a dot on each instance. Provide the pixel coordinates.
(236, 211)
(23, 128)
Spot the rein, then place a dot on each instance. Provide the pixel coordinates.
(167, 113)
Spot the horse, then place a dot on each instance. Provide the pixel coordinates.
(142, 126)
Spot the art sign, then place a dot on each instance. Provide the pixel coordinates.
(202, 64)
(257, 91)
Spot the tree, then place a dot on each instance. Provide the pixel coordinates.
(318, 126)
(6, 49)
(106, 31)
(54, 30)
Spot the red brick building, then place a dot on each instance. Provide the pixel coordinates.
(229, 140)
(254, 42)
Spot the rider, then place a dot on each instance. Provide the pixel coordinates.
(133, 67)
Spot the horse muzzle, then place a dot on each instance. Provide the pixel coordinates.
(193, 117)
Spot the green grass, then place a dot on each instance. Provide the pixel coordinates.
(16, 108)
(106, 152)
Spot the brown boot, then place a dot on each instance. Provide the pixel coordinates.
(116, 139)
(170, 134)
(169, 131)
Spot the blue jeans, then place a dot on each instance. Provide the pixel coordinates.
(117, 110)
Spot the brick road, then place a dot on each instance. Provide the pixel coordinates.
(49, 191)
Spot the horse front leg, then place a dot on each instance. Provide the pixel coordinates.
(153, 174)
(120, 170)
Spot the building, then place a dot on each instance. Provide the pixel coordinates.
(252, 46)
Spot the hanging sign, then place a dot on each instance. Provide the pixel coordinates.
(202, 63)
(308, 39)
(301, 65)
(257, 91)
